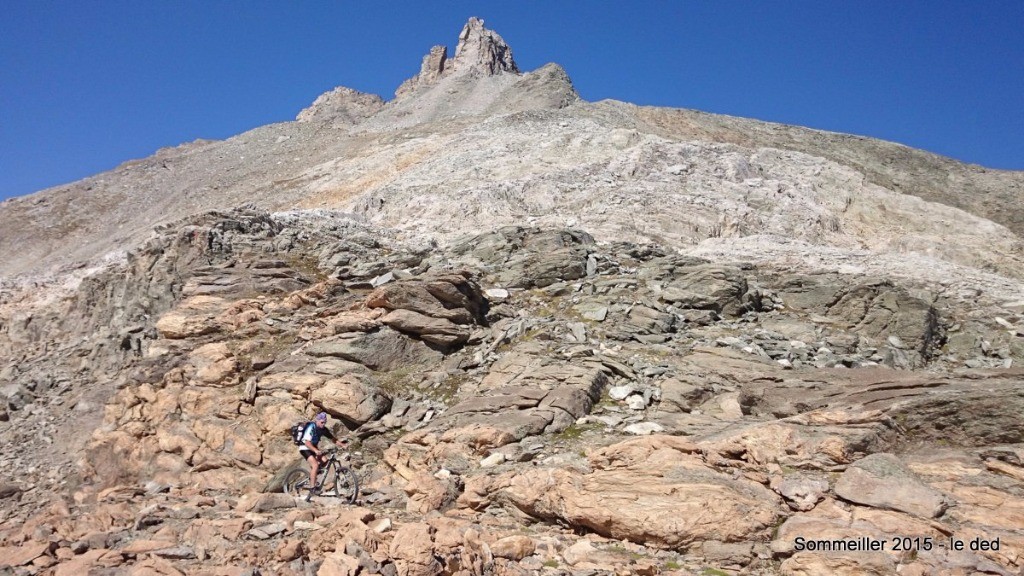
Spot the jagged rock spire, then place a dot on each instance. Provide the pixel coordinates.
(483, 50)
(479, 50)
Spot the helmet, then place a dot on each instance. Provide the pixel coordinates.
(321, 417)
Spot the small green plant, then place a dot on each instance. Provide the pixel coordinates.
(408, 382)
(552, 563)
(307, 266)
(447, 391)
(397, 383)
(575, 431)
(714, 572)
(673, 565)
(545, 311)
(777, 526)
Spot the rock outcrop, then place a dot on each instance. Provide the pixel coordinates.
(676, 409)
(479, 51)
(343, 106)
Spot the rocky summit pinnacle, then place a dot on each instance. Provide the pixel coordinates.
(482, 49)
(479, 50)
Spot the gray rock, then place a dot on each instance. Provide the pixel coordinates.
(8, 490)
(592, 311)
(636, 402)
(496, 294)
(644, 428)
(530, 257)
(492, 460)
(578, 331)
(340, 106)
(384, 349)
(709, 287)
(802, 492)
(382, 279)
(437, 331)
(882, 481)
(272, 529)
(620, 392)
(975, 363)
(176, 553)
(680, 396)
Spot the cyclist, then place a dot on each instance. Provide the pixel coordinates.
(309, 451)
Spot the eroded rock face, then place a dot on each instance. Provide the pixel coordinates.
(383, 349)
(471, 407)
(449, 297)
(522, 257)
(482, 49)
(710, 287)
(908, 329)
(341, 105)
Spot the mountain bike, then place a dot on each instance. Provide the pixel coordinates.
(332, 479)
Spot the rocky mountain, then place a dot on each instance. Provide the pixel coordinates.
(566, 337)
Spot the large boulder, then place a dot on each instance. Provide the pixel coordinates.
(711, 287)
(383, 349)
(528, 257)
(882, 481)
(451, 297)
(908, 328)
(436, 331)
(351, 398)
(195, 316)
(886, 313)
(654, 490)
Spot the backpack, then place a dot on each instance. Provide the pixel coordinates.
(298, 431)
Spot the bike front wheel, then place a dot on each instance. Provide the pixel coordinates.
(341, 482)
(295, 482)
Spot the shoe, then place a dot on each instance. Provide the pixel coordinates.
(312, 491)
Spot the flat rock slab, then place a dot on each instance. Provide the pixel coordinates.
(384, 349)
(655, 490)
(592, 311)
(21, 555)
(882, 481)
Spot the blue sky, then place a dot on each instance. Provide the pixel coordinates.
(87, 85)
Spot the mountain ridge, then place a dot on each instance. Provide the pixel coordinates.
(92, 212)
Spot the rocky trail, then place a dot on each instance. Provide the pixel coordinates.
(524, 401)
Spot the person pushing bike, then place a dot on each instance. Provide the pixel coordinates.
(309, 450)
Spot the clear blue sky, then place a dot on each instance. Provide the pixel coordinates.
(87, 85)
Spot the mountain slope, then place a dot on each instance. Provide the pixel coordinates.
(543, 150)
(565, 337)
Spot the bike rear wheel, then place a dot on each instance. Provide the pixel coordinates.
(341, 482)
(296, 482)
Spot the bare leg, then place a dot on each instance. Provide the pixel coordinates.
(314, 465)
